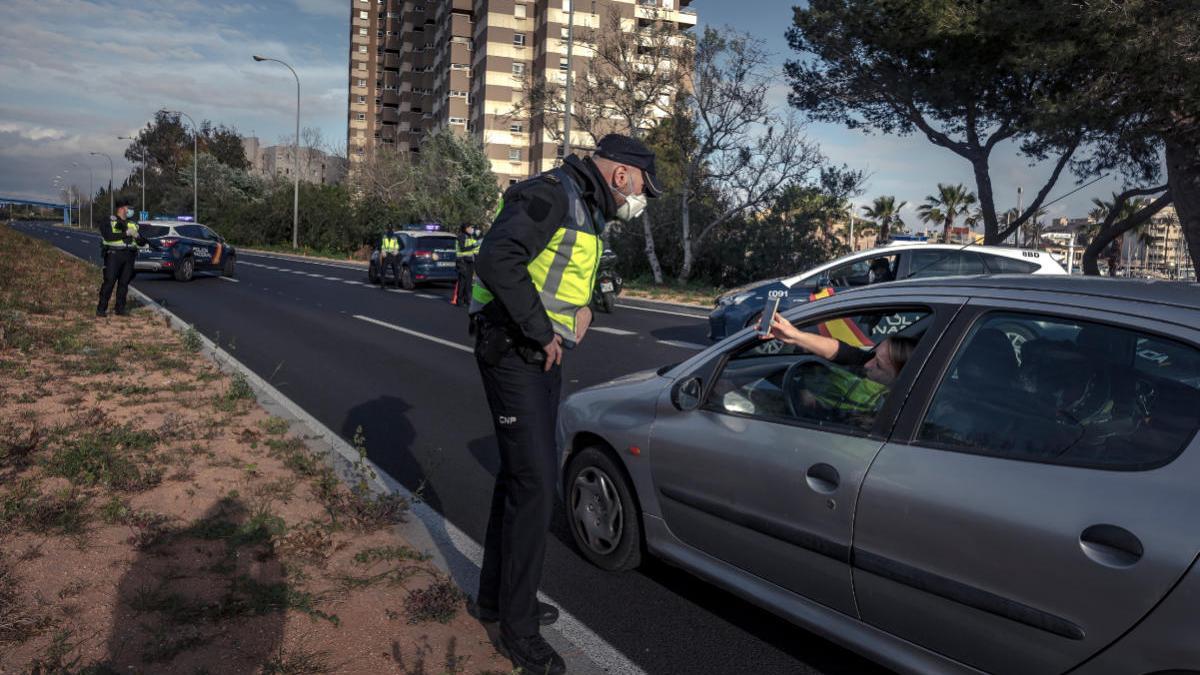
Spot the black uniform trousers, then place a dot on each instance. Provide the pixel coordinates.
(524, 404)
(118, 271)
(466, 274)
(392, 261)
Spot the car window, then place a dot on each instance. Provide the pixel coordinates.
(1046, 389)
(944, 263)
(439, 243)
(857, 273)
(190, 231)
(782, 382)
(154, 230)
(998, 264)
(208, 234)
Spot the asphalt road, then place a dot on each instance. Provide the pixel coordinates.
(317, 332)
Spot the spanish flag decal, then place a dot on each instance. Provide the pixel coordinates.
(216, 259)
(844, 330)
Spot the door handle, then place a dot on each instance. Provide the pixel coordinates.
(1111, 546)
(823, 478)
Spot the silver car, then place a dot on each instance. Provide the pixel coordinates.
(1022, 498)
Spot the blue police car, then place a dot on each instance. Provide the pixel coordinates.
(426, 255)
(184, 248)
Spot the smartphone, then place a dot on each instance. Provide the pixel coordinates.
(768, 315)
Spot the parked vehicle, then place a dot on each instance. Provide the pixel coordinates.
(742, 307)
(1027, 505)
(425, 257)
(608, 282)
(184, 248)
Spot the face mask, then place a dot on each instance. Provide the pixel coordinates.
(634, 204)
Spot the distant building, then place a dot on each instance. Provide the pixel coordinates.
(276, 161)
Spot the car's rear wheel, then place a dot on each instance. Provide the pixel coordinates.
(406, 279)
(604, 517)
(372, 274)
(185, 270)
(229, 268)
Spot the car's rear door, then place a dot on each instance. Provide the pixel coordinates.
(1038, 496)
(751, 479)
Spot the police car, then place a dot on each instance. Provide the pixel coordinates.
(426, 255)
(184, 248)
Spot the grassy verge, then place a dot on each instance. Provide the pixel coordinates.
(154, 518)
(671, 291)
(308, 252)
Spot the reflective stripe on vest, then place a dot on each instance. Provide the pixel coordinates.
(564, 273)
(131, 230)
(468, 246)
(391, 244)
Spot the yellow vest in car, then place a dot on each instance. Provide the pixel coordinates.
(564, 273)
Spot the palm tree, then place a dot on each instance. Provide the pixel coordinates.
(930, 214)
(952, 201)
(886, 214)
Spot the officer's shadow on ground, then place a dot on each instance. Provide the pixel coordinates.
(201, 593)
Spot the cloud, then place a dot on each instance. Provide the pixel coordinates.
(322, 7)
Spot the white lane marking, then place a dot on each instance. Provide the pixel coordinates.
(683, 345)
(396, 290)
(368, 285)
(414, 333)
(332, 278)
(306, 262)
(351, 281)
(662, 311)
(228, 279)
(313, 274)
(428, 296)
(612, 331)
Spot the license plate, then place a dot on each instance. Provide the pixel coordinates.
(446, 264)
(606, 287)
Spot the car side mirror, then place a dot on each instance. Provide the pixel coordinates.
(685, 394)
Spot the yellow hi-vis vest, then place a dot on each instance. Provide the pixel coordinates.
(391, 245)
(564, 273)
(131, 230)
(468, 247)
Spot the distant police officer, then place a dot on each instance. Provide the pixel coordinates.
(389, 256)
(119, 243)
(533, 283)
(465, 252)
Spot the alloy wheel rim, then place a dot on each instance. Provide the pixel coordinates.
(596, 510)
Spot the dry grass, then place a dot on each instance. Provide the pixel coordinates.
(153, 517)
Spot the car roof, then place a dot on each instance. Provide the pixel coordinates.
(422, 233)
(1184, 294)
(894, 248)
(169, 223)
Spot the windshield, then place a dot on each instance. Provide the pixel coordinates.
(154, 230)
(438, 243)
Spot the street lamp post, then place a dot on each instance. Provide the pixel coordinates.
(142, 147)
(112, 211)
(91, 197)
(295, 156)
(195, 163)
(570, 81)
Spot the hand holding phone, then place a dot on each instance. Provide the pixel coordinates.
(768, 314)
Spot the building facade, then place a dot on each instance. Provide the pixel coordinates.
(420, 66)
(315, 166)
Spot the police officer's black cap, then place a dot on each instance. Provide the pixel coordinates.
(123, 203)
(631, 151)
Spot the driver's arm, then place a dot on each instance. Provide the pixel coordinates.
(824, 347)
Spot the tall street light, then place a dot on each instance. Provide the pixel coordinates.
(195, 162)
(91, 197)
(295, 156)
(112, 211)
(143, 149)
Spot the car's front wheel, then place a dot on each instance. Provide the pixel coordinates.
(406, 279)
(229, 268)
(604, 517)
(185, 270)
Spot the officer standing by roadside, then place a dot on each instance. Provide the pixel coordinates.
(120, 238)
(464, 259)
(389, 256)
(534, 277)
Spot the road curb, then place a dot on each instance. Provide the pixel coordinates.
(452, 550)
(355, 264)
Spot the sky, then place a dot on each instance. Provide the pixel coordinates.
(79, 73)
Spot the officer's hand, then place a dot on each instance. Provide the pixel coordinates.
(554, 353)
(583, 320)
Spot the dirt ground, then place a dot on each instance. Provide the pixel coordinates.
(153, 518)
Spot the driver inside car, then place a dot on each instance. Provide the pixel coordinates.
(839, 389)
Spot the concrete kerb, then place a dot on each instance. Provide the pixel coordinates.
(453, 551)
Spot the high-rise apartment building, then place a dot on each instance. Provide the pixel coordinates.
(418, 66)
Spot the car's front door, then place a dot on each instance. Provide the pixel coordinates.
(216, 247)
(1036, 499)
(761, 477)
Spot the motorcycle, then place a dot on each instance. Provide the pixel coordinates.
(608, 282)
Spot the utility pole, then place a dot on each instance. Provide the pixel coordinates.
(570, 79)
(195, 163)
(112, 210)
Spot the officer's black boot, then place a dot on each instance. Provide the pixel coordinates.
(533, 654)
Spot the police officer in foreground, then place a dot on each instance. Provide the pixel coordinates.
(465, 251)
(529, 304)
(389, 256)
(119, 244)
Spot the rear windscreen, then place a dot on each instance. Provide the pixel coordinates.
(154, 230)
(437, 243)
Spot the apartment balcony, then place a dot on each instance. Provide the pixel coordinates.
(685, 17)
(391, 97)
(387, 133)
(390, 116)
(391, 61)
(393, 43)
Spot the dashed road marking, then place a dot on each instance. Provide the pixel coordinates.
(661, 311)
(683, 345)
(414, 333)
(612, 331)
(228, 279)
(428, 296)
